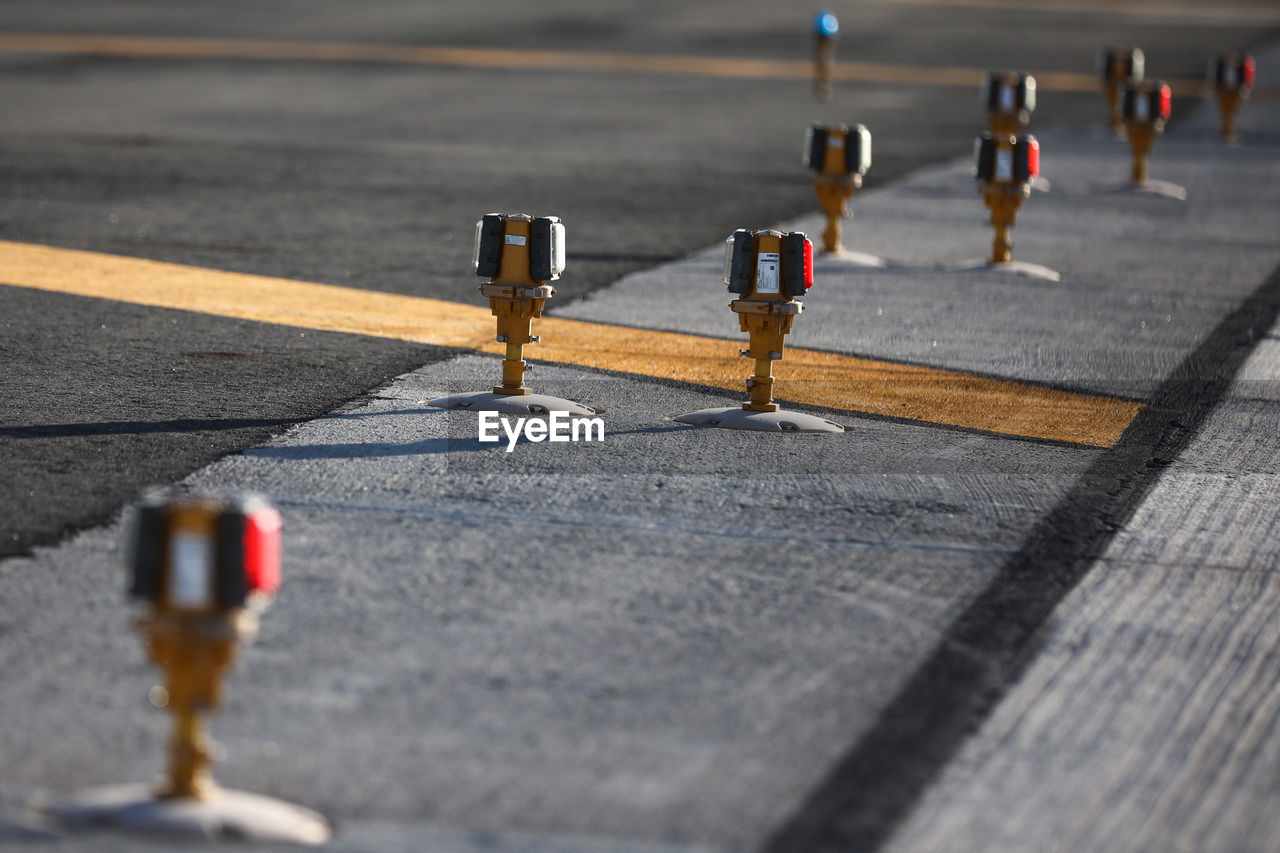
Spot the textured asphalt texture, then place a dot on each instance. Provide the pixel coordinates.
(371, 176)
(680, 638)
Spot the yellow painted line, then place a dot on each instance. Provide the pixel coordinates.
(535, 60)
(818, 378)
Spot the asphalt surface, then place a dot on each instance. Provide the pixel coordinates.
(371, 175)
(679, 638)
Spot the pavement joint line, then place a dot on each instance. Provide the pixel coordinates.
(150, 47)
(811, 377)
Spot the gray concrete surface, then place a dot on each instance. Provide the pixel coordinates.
(1149, 720)
(672, 639)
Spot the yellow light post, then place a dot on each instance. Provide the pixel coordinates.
(1118, 66)
(203, 568)
(520, 255)
(1145, 107)
(769, 272)
(838, 156)
(825, 30)
(1005, 165)
(1231, 75)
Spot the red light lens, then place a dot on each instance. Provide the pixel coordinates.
(1033, 157)
(1166, 102)
(808, 263)
(1246, 71)
(262, 551)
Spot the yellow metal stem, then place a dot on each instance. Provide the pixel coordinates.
(1141, 138)
(193, 651)
(1003, 200)
(1228, 103)
(824, 52)
(760, 388)
(834, 192)
(188, 757)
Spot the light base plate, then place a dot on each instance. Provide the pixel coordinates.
(227, 815)
(1010, 267)
(517, 404)
(736, 417)
(852, 258)
(1164, 189)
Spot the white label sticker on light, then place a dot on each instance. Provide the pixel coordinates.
(835, 140)
(190, 568)
(513, 240)
(1229, 76)
(1004, 164)
(1008, 99)
(767, 272)
(1141, 106)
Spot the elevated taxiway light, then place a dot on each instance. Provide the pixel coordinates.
(1009, 98)
(520, 255)
(769, 272)
(1231, 76)
(838, 156)
(199, 564)
(203, 569)
(1005, 165)
(825, 30)
(1118, 66)
(1145, 107)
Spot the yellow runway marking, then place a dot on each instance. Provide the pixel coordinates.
(817, 378)
(544, 60)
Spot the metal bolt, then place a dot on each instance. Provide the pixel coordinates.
(502, 339)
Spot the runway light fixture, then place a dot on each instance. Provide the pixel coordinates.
(1145, 107)
(1005, 166)
(520, 255)
(825, 30)
(1231, 76)
(838, 156)
(1009, 98)
(769, 272)
(1119, 66)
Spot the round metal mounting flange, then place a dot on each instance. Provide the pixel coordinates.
(1010, 267)
(231, 815)
(1151, 186)
(523, 404)
(735, 417)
